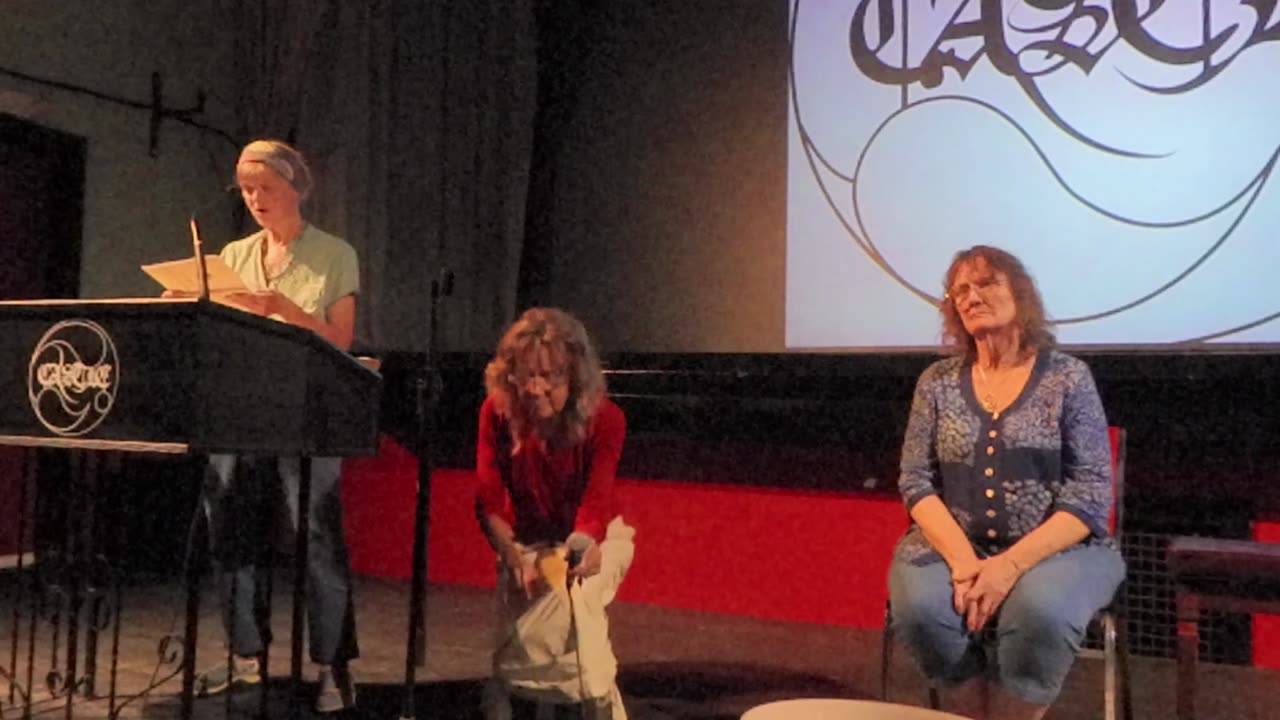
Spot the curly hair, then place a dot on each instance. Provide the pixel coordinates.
(1036, 332)
(564, 336)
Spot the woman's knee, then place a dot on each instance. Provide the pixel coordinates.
(920, 597)
(1032, 673)
(923, 617)
(910, 618)
(1044, 623)
(1036, 647)
(1049, 612)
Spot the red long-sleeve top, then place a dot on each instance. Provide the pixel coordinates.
(547, 493)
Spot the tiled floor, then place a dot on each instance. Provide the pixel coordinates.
(675, 664)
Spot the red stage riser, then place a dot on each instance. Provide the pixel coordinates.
(1266, 628)
(816, 557)
(777, 554)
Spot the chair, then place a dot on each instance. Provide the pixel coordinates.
(1110, 619)
(1214, 574)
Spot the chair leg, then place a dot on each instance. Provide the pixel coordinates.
(886, 653)
(934, 702)
(1188, 613)
(1110, 669)
(1122, 657)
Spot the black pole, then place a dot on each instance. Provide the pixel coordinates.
(427, 391)
(300, 586)
(28, 480)
(268, 581)
(33, 588)
(77, 511)
(35, 609)
(117, 595)
(415, 652)
(230, 601)
(91, 552)
(195, 563)
(114, 543)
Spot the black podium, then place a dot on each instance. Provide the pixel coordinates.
(182, 376)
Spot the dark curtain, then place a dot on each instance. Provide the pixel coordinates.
(564, 44)
(417, 118)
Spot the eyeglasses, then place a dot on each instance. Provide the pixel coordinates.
(553, 379)
(983, 286)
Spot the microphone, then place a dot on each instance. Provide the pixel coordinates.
(577, 545)
(442, 285)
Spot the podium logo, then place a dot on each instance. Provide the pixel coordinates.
(73, 377)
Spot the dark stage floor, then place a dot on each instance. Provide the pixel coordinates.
(675, 663)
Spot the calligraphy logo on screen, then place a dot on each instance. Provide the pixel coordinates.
(1185, 45)
(73, 377)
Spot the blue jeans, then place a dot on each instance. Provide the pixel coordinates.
(1040, 625)
(241, 496)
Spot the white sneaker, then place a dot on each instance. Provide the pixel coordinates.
(337, 689)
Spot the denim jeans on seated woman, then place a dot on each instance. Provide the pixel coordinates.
(1040, 625)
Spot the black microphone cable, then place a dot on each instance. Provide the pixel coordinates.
(577, 649)
(576, 546)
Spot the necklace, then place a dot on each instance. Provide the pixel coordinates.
(277, 257)
(992, 391)
(276, 266)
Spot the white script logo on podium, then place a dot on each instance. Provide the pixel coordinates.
(73, 377)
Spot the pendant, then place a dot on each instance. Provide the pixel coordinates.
(989, 404)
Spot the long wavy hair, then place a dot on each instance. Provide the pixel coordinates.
(1035, 328)
(564, 336)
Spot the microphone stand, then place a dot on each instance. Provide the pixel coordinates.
(427, 390)
(197, 245)
(199, 540)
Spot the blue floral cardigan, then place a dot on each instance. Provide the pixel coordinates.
(1003, 475)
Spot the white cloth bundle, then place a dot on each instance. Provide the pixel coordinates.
(536, 656)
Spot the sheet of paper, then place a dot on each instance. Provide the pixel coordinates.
(180, 275)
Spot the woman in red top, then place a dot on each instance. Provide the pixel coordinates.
(546, 459)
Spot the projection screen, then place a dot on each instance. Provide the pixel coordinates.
(1123, 150)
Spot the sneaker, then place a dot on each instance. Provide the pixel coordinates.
(337, 689)
(242, 671)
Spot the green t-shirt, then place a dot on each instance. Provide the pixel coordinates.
(323, 269)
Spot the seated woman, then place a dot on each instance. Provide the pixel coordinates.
(1006, 474)
(546, 457)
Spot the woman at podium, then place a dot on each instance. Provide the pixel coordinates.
(546, 457)
(304, 276)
